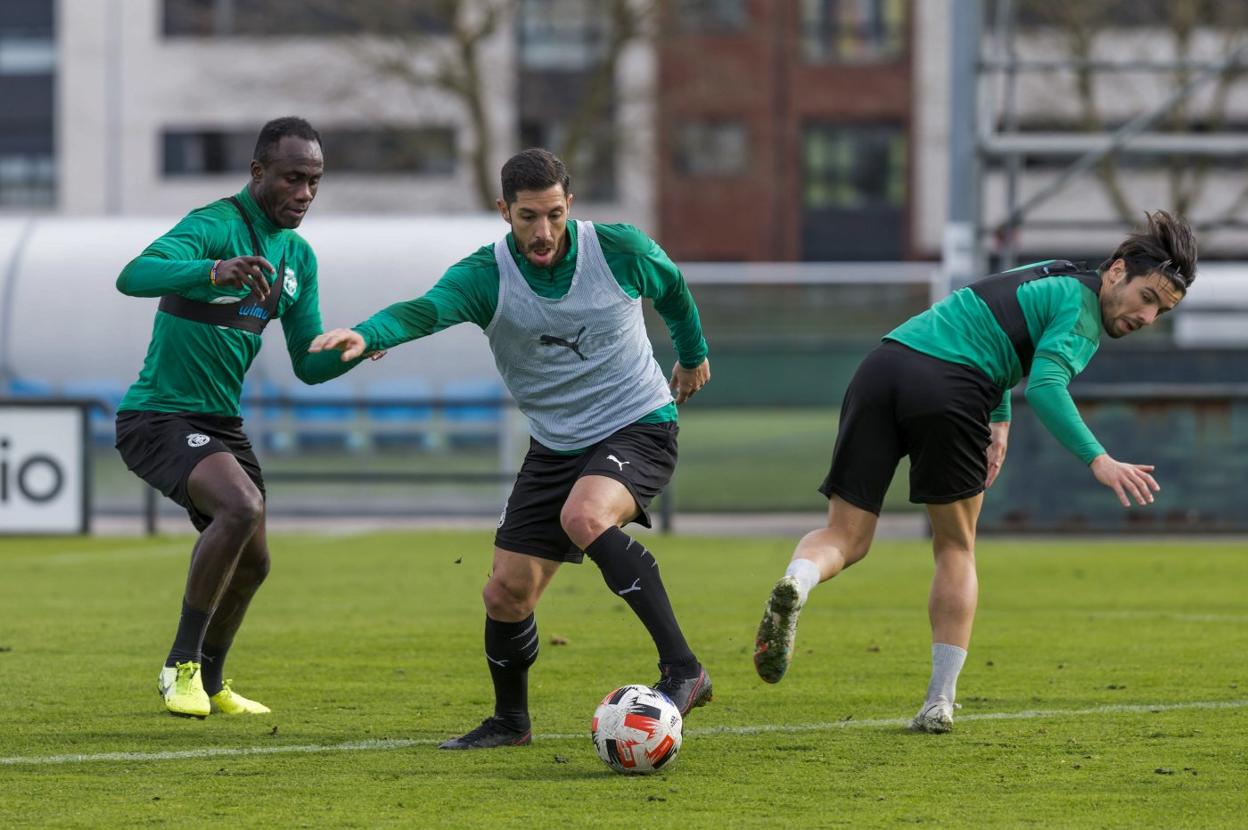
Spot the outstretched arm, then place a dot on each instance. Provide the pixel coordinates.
(1049, 396)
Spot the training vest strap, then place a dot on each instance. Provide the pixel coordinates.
(1000, 293)
(246, 314)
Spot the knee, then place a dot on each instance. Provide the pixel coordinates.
(507, 601)
(582, 524)
(953, 551)
(244, 510)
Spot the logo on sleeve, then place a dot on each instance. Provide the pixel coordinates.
(196, 439)
(289, 283)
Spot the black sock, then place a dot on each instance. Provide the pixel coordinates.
(189, 641)
(510, 648)
(212, 670)
(631, 572)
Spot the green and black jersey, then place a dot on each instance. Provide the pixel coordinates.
(468, 293)
(1064, 320)
(199, 367)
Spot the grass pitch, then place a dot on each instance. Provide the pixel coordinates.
(1106, 687)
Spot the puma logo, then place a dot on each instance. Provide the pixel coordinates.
(574, 345)
(636, 586)
(618, 461)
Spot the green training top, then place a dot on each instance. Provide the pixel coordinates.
(1064, 320)
(198, 367)
(468, 293)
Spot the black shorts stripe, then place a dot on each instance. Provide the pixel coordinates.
(162, 448)
(905, 403)
(642, 457)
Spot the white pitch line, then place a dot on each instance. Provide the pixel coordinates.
(402, 743)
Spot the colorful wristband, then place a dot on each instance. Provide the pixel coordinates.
(212, 275)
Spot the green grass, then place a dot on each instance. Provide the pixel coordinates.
(379, 637)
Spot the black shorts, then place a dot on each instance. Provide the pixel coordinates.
(903, 402)
(642, 457)
(162, 448)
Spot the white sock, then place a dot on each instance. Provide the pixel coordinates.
(807, 575)
(947, 663)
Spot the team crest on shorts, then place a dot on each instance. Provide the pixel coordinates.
(196, 439)
(289, 284)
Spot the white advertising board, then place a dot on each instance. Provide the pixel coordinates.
(43, 468)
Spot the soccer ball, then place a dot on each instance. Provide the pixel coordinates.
(636, 729)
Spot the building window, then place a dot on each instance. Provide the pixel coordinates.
(853, 31)
(592, 170)
(562, 35)
(27, 91)
(243, 18)
(712, 148)
(711, 17)
(854, 166)
(27, 180)
(853, 192)
(426, 151)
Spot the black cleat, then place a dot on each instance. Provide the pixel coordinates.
(493, 732)
(687, 692)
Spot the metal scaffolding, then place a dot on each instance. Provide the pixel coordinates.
(979, 143)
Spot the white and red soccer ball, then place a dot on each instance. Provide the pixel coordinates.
(636, 730)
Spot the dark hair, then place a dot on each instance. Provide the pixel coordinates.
(272, 133)
(1167, 246)
(533, 169)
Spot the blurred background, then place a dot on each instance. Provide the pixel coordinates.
(820, 169)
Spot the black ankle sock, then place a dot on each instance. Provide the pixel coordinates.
(213, 667)
(189, 641)
(510, 648)
(631, 572)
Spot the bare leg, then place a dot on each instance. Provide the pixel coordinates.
(955, 586)
(820, 555)
(951, 608)
(249, 573)
(845, 540)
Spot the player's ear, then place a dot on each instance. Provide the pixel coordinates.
(503, 211)
(257, 171)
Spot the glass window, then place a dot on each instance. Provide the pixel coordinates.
(421, 151)
(27, 180)
(854, 166)
(562, 35)
(592, 171)
(232, 18)
(853, 31)
(711, 16)
(26, 55)
(712, 148)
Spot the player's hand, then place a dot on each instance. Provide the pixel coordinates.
(348, 341)
(685, 382)
(1128, 481)
(246, 272)
(996, 450)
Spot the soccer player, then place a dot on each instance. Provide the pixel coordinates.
(560, 302)
(178, 427)
(937, 390)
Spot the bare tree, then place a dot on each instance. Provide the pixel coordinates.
(442, 45)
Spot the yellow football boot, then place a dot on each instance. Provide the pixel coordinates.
(229, 702)
(182, 687)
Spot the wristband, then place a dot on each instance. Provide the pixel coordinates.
(212, 275)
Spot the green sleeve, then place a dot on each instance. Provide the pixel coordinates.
(1002, 412)
(1048, 395)
(176, 262)
(467, 293)
(301, 323)
(639, 264)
